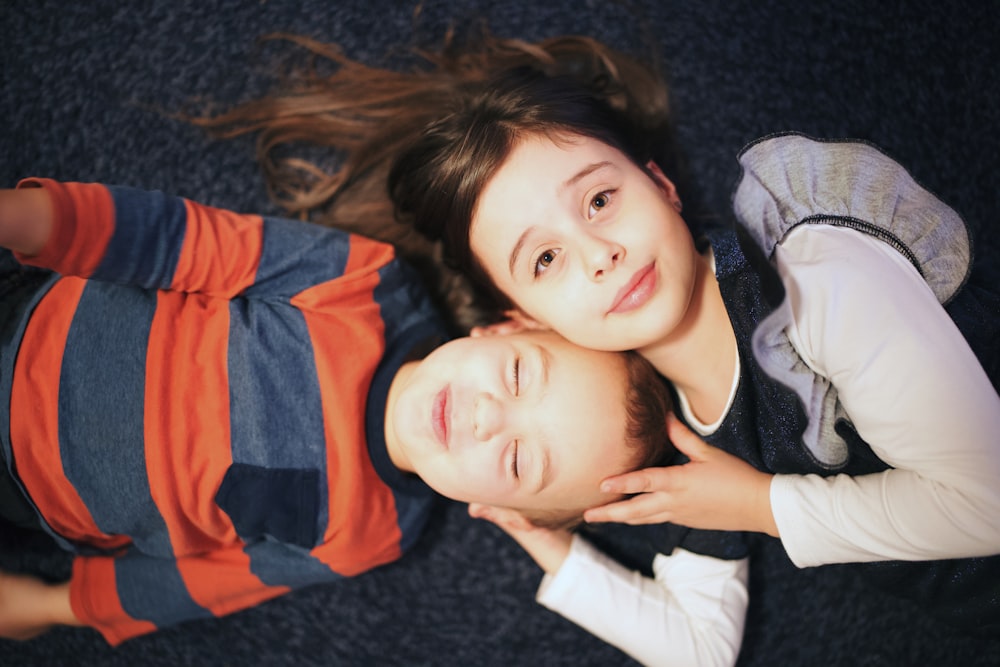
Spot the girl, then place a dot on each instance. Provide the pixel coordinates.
(792, 340)
(809, 340)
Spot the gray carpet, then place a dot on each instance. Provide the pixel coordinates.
(86, 87)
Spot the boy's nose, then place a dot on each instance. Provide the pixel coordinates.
(487, 417)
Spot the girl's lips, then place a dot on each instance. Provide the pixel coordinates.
(636, 291)
(440, 415)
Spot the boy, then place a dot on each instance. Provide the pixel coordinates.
(212, 409)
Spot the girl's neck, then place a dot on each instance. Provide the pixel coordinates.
(699, 356)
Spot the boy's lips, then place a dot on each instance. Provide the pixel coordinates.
(440, 414)
(636, 291)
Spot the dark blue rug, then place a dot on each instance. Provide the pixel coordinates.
(85, 91)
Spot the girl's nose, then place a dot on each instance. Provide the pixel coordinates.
(601, 256)
(487, 417)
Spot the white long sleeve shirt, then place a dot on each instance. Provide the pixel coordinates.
(914, 390)
(691, 613)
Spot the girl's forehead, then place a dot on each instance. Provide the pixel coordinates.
(566, 147)
(549, 165)
(550, 139)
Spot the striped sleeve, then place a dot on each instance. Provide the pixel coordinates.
(164, 592)
(147, 239)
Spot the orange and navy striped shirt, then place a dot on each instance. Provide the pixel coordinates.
(197, 404)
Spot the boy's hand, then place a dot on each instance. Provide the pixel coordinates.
(715, 491)
(30, 606)
(25, 220)
(547, 547)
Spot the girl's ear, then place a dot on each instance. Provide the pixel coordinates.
(664, 183)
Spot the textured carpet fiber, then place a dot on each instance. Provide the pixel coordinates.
(85, 90)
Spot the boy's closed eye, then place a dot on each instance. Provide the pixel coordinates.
(514, 461)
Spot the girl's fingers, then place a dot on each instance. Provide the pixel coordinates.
(684, 439)
(638, 481)
(478, 511)
(644, 508)
(647, 519)
(498, 329)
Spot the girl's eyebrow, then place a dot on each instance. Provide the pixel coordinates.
(583, 173)
(568, 183)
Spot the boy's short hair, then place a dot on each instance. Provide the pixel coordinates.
(647, 403)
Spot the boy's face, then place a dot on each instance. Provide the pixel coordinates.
(587, 243)
(526, 420)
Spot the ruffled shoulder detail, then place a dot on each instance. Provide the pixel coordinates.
(792, 179)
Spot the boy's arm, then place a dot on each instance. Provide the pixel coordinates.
(130, 594)
(146, 239)
(159, 241)
(25, 220)
(30, 606)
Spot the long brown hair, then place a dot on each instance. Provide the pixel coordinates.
(437, 180)
(371, 118)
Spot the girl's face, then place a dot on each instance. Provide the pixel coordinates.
(587, 243)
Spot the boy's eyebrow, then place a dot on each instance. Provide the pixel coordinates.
(546, 476)
(545, 361)
(568, 183)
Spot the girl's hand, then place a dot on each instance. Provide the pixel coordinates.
(714, 491)
(516, 321)
(547, 547)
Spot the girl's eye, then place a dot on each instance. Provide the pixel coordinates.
(545, 260)
(516, 374)
(513, 461)
(599, 202)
